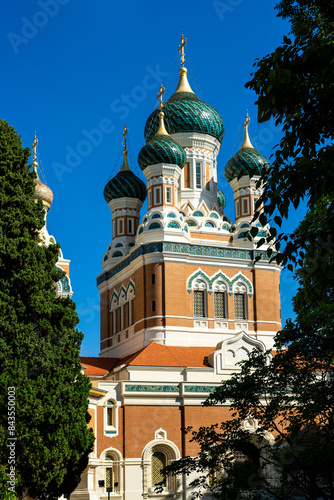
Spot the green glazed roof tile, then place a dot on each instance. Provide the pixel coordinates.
(244, 162)
(161, 149)
(185, 112)
(125, 184)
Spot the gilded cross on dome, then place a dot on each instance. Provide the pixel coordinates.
(162, 90)
(34, 147)
(181, 48)
(126, 130)
(247, 121)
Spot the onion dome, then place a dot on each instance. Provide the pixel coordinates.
(247, 161)
(221, 198)
(185, 112)
(42, 191)
(125, 184)
(161, 148)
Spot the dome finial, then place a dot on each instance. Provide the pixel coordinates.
(126, 130)
(183, 85)
(181, 49)
(34, 147)
(161, 130)
(247, 143)
(125, 165)
(162, 90)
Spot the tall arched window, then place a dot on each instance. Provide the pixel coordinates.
(240, 296)
(199, 291)
(156, 455)
(110, 417)
(131, 320)
(109, 472)
(109, 481)
(159, 461)
(115, 321)
(220, 299)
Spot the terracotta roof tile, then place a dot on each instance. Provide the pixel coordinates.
(151, 355)
(161, 355)
(97, 366)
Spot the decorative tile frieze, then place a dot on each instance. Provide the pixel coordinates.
(199, 388)
(181, 248)
(151, 388)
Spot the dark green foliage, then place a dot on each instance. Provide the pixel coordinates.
(39, 345)
(295, 87)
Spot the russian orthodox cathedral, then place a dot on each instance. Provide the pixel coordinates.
(183, 298)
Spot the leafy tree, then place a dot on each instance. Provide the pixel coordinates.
(291, 395)
(5, 493)
(39, 345)
(295, 87)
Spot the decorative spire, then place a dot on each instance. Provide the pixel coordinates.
(183, 85)
(34, 147)
(125, 165)
(162, 90)
(247, 143)
(161, 130)
(126, 130)
(181, 49)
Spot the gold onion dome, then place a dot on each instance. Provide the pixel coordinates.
(125, 184)
(247, 161)
(161, 148)
(42, 191)
(185, 112)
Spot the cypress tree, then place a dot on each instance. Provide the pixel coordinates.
(39, 345)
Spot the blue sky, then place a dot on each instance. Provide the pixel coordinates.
(75, 71)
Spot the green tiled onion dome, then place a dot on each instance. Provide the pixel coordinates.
(244, 162)
(185, 112)
(221, 198)
(247, 160)
(161, 148)
(125, 184)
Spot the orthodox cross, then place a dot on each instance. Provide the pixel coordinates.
(181, 48)
(34, 147)
(162, 90)
(126, 130)
(247, 122)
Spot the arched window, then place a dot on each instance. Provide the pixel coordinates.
(110, 417)
(131, 320)
(114, 318)
(159, 461)
(199, 291)
(240, 295)
(109, 472)
(156, 455)
(109, 481)
(110, 413)
(220, 299)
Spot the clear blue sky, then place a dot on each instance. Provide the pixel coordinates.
(70, 67)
